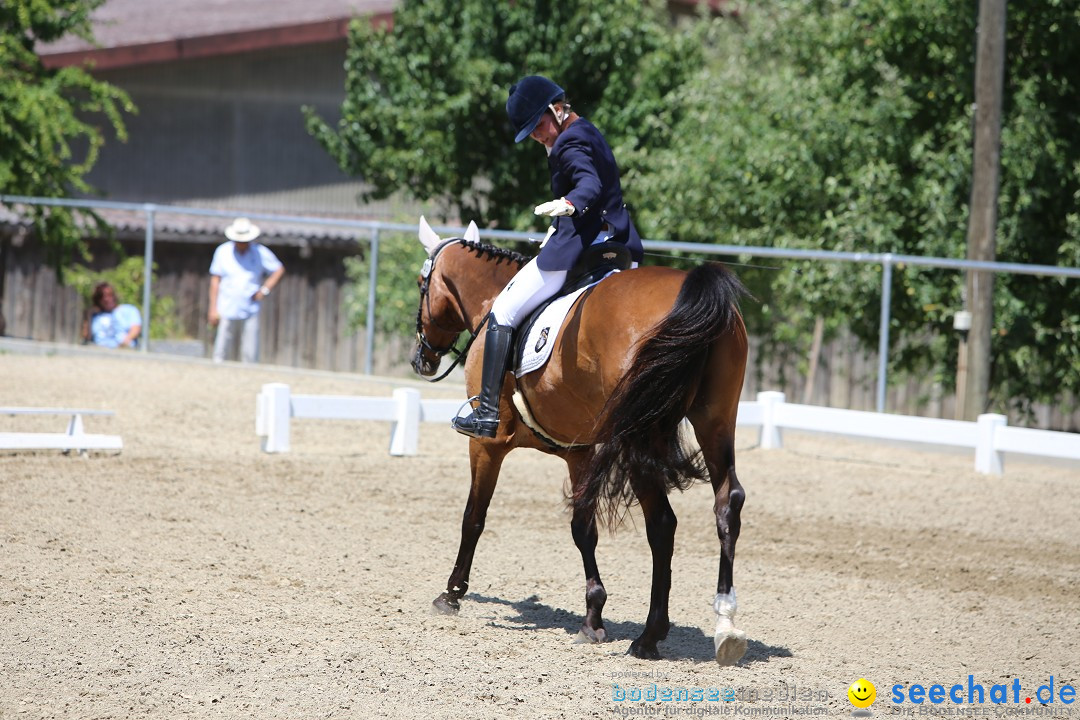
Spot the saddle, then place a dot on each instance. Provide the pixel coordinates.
(596, 262)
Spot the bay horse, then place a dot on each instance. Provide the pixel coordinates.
(637, 352)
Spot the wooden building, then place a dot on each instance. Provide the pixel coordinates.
(219, 89)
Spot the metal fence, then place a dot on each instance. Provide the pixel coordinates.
(373, 229)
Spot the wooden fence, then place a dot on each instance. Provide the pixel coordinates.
(303, 323)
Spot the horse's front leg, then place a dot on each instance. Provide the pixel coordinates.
(485, 459)
(583, 528)
(660, 524)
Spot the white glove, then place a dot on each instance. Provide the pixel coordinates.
(555, 208)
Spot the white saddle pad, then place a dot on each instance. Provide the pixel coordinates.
(537, 346)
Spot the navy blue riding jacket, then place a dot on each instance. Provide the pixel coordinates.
(583, 170)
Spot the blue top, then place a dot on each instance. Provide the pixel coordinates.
(108, 329)
(583, 170)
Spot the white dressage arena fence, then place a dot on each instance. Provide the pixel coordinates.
(275, 406)
(990, 437)
(75, 438)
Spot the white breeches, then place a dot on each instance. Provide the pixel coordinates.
(524, 293)
(227, 333)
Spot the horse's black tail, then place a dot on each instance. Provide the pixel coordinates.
(638, 443)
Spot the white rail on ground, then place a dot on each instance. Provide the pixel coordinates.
(74, 439)
(990, 437)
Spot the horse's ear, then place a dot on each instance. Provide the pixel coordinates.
(428, 237)
(472, 233)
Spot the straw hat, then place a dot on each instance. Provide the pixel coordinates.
(242, 230)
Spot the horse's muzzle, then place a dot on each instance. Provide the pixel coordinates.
(422, 365)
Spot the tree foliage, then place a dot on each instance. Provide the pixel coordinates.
(817, 124)
(424, 108)
(400, 258)
(847, 126)
(49, 136)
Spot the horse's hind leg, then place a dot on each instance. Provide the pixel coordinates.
(486, 461)
(718, 450)
(583, 528)
(660, 524)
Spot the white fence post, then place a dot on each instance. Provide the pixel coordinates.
(769, 437)
(987, 459)
(405, 434)
(276, 412)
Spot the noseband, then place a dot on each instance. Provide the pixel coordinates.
(421, 338)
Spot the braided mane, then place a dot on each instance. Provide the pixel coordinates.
(491, 252)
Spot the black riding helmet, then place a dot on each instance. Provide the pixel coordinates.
(528, 100)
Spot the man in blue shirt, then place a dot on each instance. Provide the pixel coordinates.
(242, 274)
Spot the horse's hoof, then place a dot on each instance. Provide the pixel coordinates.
(645, 652)
(589, 635)
(730, 646)
(446, 604)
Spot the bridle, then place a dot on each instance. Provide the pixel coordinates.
(421, 338)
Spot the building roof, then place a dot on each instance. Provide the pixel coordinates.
(184, 228)
(136, 32)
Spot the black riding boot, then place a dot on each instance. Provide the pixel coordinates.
(484, 420)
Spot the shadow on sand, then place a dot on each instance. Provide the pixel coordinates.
(682, 643)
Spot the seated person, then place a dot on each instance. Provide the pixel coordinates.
(112, 325)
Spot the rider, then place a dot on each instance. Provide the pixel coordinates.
(588, 208)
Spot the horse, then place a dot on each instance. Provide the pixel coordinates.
(637, 353)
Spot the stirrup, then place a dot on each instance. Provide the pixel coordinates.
(472, 425)
(469, 402)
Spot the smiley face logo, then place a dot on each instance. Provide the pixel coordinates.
(862, 693)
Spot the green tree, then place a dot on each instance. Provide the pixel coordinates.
(424, 108)
(400, 258)
(49, 131)
(847, 126)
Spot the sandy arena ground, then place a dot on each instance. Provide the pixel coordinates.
(193, 575)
